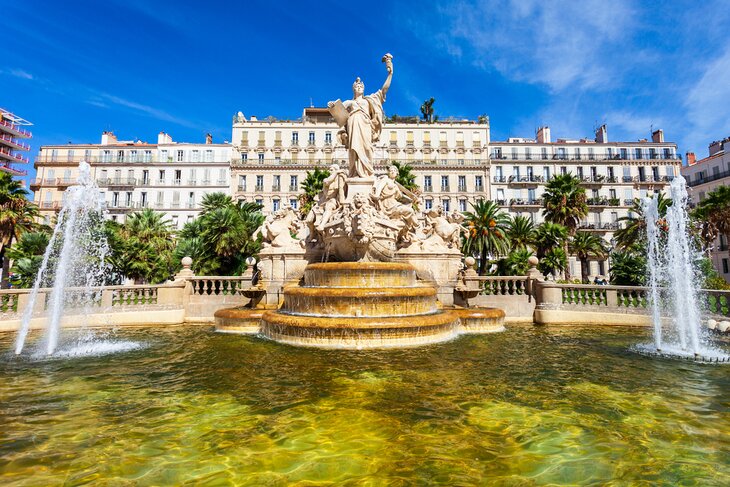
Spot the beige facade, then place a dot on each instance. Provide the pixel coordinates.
(167, 176)
(271, 158)
(703, 177)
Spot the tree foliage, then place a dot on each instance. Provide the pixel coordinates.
(487, 228)
(311, 186)
(17, 216)
(565, 203)
(427, 111)
(633, 231)
(586, 246)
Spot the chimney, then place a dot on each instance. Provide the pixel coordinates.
(543, 135)
(657, 136)
(691, 158)
(602, 134)
(108, 138)
(164, 138)
(208, 139)
(715, 147)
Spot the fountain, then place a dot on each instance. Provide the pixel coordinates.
(364, 269)
(73, 263)
(674, 281)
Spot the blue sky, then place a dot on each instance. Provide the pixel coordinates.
(76, 68)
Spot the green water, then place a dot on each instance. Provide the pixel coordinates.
(530, 406)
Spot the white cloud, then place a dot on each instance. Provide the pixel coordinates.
(708, 104)
(102, 99)
(559, 44)
(18, 73)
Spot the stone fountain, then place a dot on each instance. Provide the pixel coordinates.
(364, 268)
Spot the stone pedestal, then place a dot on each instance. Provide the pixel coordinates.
(440, 269)
(280, 268)
(359, 185)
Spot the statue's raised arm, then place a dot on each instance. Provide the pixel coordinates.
(388, 60)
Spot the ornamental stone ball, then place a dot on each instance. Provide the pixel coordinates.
(533, 261)
(470, 262)
(186, 262)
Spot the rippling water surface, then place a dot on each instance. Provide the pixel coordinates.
(530, 406)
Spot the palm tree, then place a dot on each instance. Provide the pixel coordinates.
(142, 248)
(549, 235)
(555, 260)
(565, 203)
(521, 232)
(518, 261)
(628, 268)
(213, 201)
(312, 186)
(634, 231)
(17, 216)
(487, 229)
(586, 245)
(427, 111)
(405, 177)
(27, 256)
(714, 213)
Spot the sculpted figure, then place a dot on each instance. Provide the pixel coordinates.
(443, 230)
(332, 195)
(363, 217)
(394, 200)
(361, 120)
(278, 228)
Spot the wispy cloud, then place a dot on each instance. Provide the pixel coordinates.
(18, 73)
(555, 43)
(105, 99)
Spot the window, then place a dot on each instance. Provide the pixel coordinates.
(196, 155)
(209, 155)
(561, 153)
(446, 204)
(627, 174)
(293, 183)
(543, 153)
(462, 205)
(106, 156)
(259, 183)
(180, 156)
(261, 157)
(624, 154)
(293, 202)
(516, 172)
(189, 219)
(577, 153)
(531, 195)
(612, 194)
(176, 199)
(530, 173)
(514, 152)
(637, 154)
(244, 156)
(120, 156)
(500, 194)
(277, 183)
(242, 182)
(191, 200)
(148, 156)
(128, 200)
(667, 153)
(115, 199)
(143, 199)
(427, 183)
(87, 155)
(178, 176)
(161, 179)
(70, 155)
(311, 137)
(478, 182)
(275, 205)
(724, 266)
(428, 204)
(609, 171)
(642, 173)
(295, 138)
(655, 173)
(175, 220)
(222, 176)
(133, 156)
(497, 154)
(528, 153)
(546, 173)
(259, 201)
(670, 172)
(328, 137)
(462, 183)
(563, 170)
(591, 155)
(444, 183)
(579, 172)
(498, 171)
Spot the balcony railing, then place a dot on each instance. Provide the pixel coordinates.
(707, 179)
(117, 182)
(275, 188)
(16, 128)
(479, 188)
(525, 202)
(15, 143)
(241, 187)
(428, 189)
(13, 157)
(500, 179)
(599, 227)
(293, 187)
(524, 179)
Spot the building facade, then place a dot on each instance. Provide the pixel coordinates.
(12, 136)
(167, 176)
(271, 158)
(703, 176)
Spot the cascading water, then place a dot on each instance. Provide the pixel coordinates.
(673, 281)
(74, 262)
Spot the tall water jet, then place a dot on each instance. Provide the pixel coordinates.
(74, 262)
(671, 258)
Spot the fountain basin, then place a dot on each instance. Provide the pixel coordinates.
(319, 301)
(480, 320)
(238, 320)
(359, 333)
(360, 274)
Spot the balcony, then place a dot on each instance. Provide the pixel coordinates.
(462, 188)
(275, 188)
(222, 182)
(524, 180)
(501, 202)
(8, 126)
(259, 187)
(527, 203)
(117, 182)
(479, 188)
(708, 179)
(192, 182)
(445, 188)
(242, 187)
(500, 179)
(428, 189)
(12, 142)
(293, 187)
(8, 154)
(598, 227)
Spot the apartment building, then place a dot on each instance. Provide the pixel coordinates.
(167, 176)
(12, 134)
(271, 157)
(703, 176)
(613, 174)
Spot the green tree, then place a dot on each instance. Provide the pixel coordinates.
(517, 262)
(549, 235)
(585, 246)
(427, 111)
(714, 214)
(27, 257)
(628, 268)
(565, 203)
(142, 247)
(221, 239)
(17, 216)
(633, 231)
(405, 177)
(487, 229)
(554, 261)
(521, 232)
(311, 186)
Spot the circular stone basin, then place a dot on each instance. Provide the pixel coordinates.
(359, 302)
(360, 274)
(480, 320)
(359, 333)
(238, 320)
